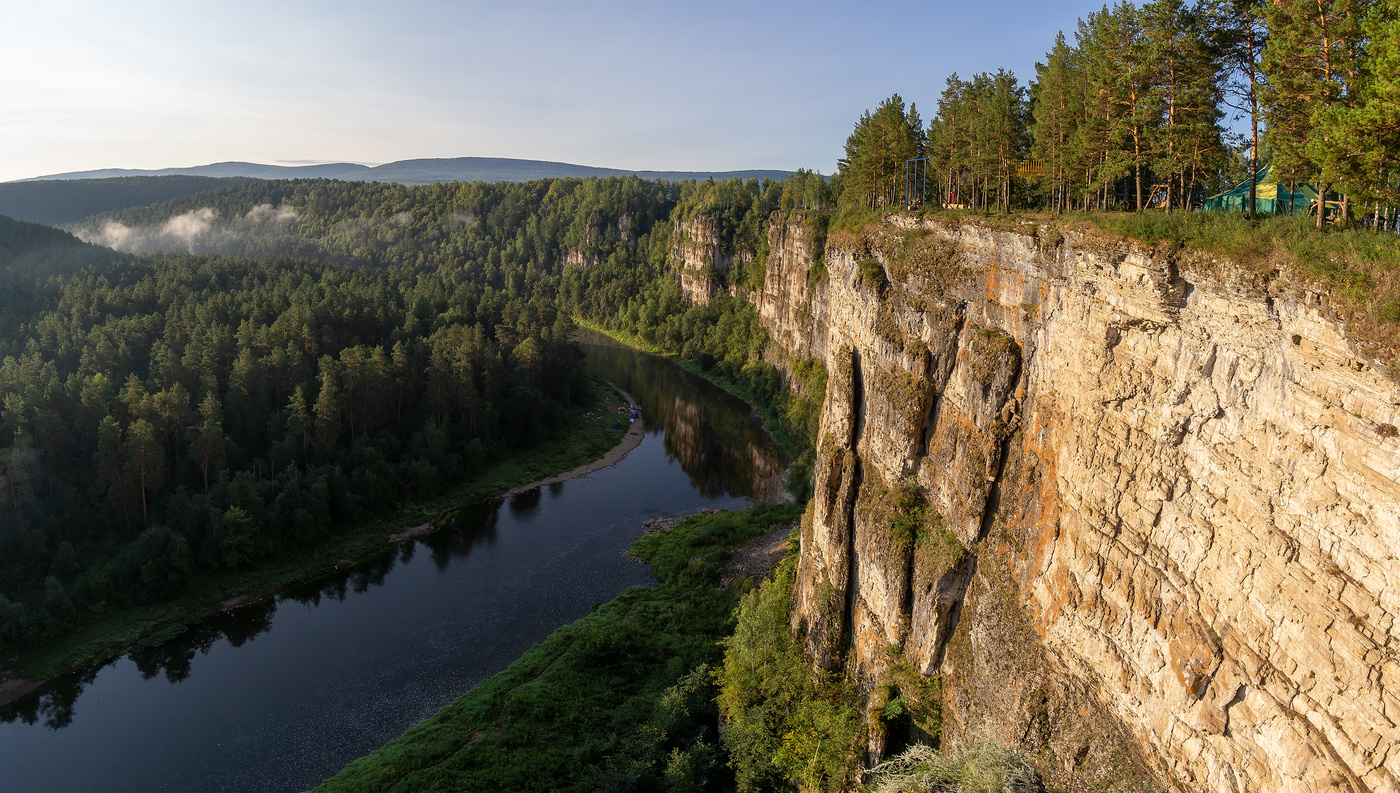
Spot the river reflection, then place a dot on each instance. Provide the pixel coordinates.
(282, 693)
(713, 434)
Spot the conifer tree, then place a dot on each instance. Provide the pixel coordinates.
(1362, 136)
(1184, 92)
(876, 151)
(300, 421)
(1240, 34)
(145, 459)
(1312, 64)
(328, 404)
(1127, 74)
(210, 441)
(1058, 106)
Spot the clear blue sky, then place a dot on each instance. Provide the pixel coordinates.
(644, 85)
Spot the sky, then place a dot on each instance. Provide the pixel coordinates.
(634, 85)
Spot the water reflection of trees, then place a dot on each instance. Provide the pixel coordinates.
(54, 702)
(718, 441)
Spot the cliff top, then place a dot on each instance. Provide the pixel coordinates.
(1356, 271)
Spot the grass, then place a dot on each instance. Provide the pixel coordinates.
(622, 698)
(103, 638)
(1360, 269)
(964, 768)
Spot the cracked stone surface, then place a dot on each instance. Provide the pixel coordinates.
(1174, 484)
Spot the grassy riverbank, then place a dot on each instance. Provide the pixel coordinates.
(622, 697)
(104, 637)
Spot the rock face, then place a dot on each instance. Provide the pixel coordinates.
(1168, 495)
(793, 312)
(700, 261)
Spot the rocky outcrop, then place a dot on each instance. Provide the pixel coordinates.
(699, 258)
(599, 238)
(792, 308)
(1162, 496)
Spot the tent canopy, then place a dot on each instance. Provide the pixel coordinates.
(1269, 196)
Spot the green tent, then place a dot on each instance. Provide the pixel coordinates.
(1270, 197)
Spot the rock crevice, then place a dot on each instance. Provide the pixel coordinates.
(1167, 508)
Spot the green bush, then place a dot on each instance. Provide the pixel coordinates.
(786, 723)
(623, 699)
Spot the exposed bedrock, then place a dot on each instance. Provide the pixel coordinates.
(698, 253)
(1168, 497)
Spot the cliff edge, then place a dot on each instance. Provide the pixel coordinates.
(1166, 494)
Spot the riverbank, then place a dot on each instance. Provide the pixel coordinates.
(765, 413)
(587, 445)
(625, 693)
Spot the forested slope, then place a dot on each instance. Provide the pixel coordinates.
(173, 414)
(70, 200)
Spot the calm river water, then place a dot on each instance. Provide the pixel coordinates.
(280, 695)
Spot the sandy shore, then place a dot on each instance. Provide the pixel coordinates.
(11, 690)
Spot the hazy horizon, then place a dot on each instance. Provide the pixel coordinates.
(720, 87)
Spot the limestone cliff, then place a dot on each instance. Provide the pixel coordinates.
(701, 263)
(1168, 496)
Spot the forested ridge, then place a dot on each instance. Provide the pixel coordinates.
(70, 200)
(179, 413)
(173, 413)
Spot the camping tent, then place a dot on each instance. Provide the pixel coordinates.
(1270, 197)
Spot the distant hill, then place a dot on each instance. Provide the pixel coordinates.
(501, 169)
(336, 170)
(427, 171)
(71, 200)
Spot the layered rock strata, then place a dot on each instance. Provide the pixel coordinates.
(1166, 493)
(701, 262)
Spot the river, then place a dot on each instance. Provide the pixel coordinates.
(282, 694)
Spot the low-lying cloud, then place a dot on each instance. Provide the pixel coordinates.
(200, 230)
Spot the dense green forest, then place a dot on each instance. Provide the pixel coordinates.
(1135, 109)
(175, 413)
(179, 413)
(58, 201)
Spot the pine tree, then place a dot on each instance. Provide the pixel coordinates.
(145, 459)
(1312, 62)
(1058, 106)
(300, 421)
(1362, 136)
(210, 441)
(328, 404)
(1240, 35)
(876, 152)
(111, 466)
(1127, 77)
(1185, 94)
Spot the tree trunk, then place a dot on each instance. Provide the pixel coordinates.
(1253, 166)
(1321, 204)
(1137, 170)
